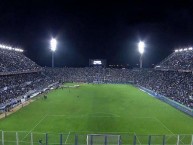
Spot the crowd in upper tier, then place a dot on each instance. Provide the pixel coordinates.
(13, 61)
(181, 60)
(175, 85)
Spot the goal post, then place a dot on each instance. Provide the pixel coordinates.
(103, 139)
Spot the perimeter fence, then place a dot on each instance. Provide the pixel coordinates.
(72, 138)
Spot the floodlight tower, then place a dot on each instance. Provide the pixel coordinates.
(141, 46)
(53, 44)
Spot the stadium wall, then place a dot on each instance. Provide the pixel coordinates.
(168, 101)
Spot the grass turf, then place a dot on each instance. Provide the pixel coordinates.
(99, 108)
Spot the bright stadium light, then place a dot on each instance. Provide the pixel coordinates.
(181, 50)
(185, 49)
(176, 50)
(190, 48)
(141, 46)
(53, 44)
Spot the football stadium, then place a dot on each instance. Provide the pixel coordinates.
(92, 72)
(96, 104)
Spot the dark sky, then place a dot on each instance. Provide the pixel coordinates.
(97, 29)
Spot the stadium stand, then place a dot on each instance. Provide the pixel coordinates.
(12, 61)
(181, 60)
(15, 86)
(19, 76)
(175, 85)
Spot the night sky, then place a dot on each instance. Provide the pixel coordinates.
(97, 29)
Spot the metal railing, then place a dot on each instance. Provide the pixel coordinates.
(36, 138)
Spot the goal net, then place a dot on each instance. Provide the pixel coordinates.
(103, 139)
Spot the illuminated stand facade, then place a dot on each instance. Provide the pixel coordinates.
(7, 47)
(185, 49)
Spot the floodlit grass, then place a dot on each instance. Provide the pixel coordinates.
(99, 108)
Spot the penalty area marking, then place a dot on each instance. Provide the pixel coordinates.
(167, 129)
(67, 137)
(112, 114)
(105, 132)
(137, 138)
(163, 125)
(85, 115)
(157, 120)
(35, 126)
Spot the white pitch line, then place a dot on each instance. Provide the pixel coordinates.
(35, 126)
(163, 125)
(80, 116)
(104, 113)
(61, 115)
(67, 137)
(142, 117)
(166, 128)
(137, 138)
(102, 116)
(101, 132)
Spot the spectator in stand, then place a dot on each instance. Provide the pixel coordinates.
(180, 60)
(13, 61)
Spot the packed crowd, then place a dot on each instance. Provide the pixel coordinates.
(16, 86)
(177, 86)
(181, 60)
(89, 74)
(172, 84)
(13, 61)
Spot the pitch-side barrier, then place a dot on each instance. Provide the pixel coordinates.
(72, 138)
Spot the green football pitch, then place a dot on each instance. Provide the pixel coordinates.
(99, 108)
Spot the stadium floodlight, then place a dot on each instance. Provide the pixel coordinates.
(141, 46)
(53, 44)
(190, 48)
(185, 49)
(176, 50)
(180, 50)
